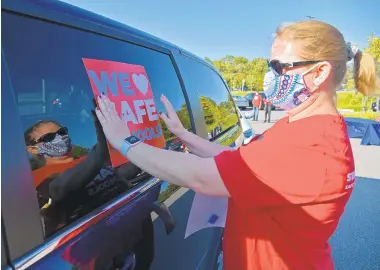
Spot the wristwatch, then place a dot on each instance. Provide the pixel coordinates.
(128, 143)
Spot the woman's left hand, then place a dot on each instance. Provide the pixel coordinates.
(114, 128)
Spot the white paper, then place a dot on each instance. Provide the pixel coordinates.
(202, 209)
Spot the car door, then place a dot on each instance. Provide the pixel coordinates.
(216, 118)
(5, 262)
(105, 223)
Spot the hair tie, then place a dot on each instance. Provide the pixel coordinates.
(352, 50)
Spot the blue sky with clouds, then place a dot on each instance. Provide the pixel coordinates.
(215, 28)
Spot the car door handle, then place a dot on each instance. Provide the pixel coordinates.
(164, 213)
(129, 262)
(122, 262)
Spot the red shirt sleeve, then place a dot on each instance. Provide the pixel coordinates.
(274, 174)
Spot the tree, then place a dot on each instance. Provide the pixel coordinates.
(211, 112)
(251, 82)
(260, 67)
(374, 47)
(235, 69)
(183, 115)
(349, 78)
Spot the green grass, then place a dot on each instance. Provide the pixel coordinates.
(241, 93)
(229, 121)
(364, 115)
(352, 101)
(168, 192)
(212, 126)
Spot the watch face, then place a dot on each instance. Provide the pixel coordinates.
(132, 139)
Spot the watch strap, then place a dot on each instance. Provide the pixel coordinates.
(127, 144)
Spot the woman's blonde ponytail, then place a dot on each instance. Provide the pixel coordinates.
(366, 80)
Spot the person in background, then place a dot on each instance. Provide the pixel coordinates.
(284, 206)
(267, 109)
(256, 103)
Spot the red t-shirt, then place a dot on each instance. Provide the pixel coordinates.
(288, 191)
(257, 99)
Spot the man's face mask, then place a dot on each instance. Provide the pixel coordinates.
(286, 91)
(55, 144)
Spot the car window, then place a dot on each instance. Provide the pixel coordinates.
(217, 103)
(249, 96)
(71, 165)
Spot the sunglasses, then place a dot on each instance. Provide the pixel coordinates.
(279, 66)
(48, 137)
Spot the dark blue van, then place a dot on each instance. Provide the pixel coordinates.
(64, 205)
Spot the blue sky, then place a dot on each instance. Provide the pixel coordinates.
(242, 27)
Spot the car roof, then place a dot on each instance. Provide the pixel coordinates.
(67, 14)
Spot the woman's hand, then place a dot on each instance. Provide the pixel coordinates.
(114, 128)
(171, 119)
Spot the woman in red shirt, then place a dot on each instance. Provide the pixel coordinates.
(284, 206)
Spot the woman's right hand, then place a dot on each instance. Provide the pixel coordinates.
(171, 118)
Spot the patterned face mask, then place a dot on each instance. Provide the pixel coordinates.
(59, 147)
(286, 91)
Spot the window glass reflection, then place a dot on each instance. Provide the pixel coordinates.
(68, 153)
(217, 104)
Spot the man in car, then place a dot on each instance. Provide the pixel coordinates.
(256, 103)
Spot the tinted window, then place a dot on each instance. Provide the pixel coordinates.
(217, 103)
(69, 157)
(249, 96)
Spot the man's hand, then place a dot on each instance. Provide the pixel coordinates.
(114, 128)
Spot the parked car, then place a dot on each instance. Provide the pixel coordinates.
(374, 107)
(247, 128)
(248, 113)
(241, 102)
(86, 212)
(244, 99)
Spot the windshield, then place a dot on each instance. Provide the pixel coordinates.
(249, 96)
(237, 97)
